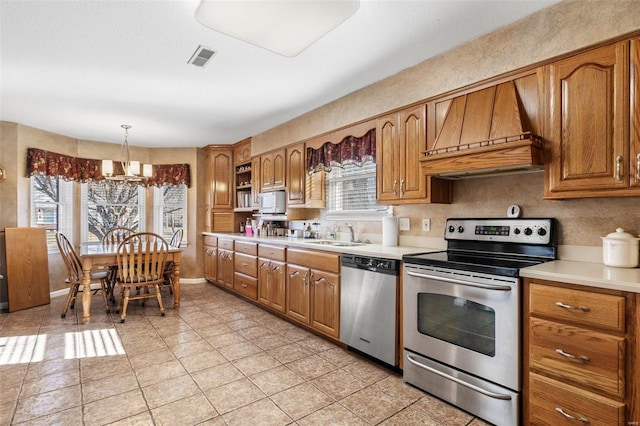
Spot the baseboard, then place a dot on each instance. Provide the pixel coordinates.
(4, 305)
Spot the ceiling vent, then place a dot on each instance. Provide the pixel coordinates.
(201, 56)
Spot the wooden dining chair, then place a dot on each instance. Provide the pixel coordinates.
(141, 261)
(74, 275)
(176, 240)
(115, 236)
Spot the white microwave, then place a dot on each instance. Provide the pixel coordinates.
(272, 202)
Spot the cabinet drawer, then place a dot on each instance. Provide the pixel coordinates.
(246, 264)
(587, 358)
(245, 286)
(272, 252)
(210, 241)
(225, 244)
(315, 259)
(584, 307)
(547, 397)
(245, 247)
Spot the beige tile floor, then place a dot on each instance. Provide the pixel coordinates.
(216, 360)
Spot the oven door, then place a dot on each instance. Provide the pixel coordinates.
(469, 321)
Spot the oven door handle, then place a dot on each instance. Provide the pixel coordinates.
(461, 282)
(504, 397)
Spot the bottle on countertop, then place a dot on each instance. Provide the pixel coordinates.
(242, 227)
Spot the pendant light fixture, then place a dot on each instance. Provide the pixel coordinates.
(131, 168)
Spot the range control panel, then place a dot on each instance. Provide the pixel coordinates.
(527, 231)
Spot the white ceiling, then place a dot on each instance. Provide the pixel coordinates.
(81, 68)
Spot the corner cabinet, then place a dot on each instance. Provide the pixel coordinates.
(580, 355)
(400, 142)
(591, 151)
(272, 170)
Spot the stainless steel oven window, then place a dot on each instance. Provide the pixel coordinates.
(458, 321)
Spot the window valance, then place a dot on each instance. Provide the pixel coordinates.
(351, 150)
(47, 163)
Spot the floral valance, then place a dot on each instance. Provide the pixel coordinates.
(47, 163)
(351, 150)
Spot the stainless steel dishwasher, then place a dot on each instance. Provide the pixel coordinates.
(368, 308)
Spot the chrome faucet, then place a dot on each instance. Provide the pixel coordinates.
(353, 238)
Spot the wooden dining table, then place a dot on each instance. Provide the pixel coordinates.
(98, 257)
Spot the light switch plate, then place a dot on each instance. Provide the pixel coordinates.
(404, 224)
(426, 225)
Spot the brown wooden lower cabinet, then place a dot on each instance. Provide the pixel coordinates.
(580, 355)
(313, 290)
(271, 283)
(210, 258)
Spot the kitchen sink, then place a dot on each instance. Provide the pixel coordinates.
(335, 243)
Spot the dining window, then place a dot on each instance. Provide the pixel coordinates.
(107, 204)
(51, 206)
(170, 204)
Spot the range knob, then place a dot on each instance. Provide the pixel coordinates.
(516, 231)
(528, 231)
(451, 228)
(461, 229)
(381, 265)
(542, 232)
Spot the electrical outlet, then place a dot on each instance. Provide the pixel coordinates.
(426, 225)
(404, 224)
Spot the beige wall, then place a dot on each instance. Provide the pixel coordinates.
(560, 29)
(15, 191)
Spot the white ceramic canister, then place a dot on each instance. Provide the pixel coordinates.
(620, 249)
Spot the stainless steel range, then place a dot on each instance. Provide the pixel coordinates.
(462, 313)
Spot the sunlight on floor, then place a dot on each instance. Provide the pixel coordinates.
(92, 343)
(22, 349)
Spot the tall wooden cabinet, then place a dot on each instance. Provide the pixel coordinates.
(219, 178)
(400, 142)
(591, 151)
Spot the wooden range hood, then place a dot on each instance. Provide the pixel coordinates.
(484, 133)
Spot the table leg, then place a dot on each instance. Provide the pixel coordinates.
(176, 283)
(86, 290)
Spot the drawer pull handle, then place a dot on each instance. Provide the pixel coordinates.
(568, 355)
(244, 285)
(619, 168)
(569, 416)
(582, 308)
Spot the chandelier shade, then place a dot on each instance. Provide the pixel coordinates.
(130, 168)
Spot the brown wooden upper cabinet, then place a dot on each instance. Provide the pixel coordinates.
(296, 172)
(591, 151)
(272, 170)
(242, 152)
(400, 141)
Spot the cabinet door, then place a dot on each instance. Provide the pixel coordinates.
(589, 113)
(266, 172)
(264, 281)
(387, 158)
(255, 182)
(315, 197)
(242, 151)
(297, 293)
(413, 142)
(225, 268)
(279, 169)
(278, 285)
(210, 262)
(325, 302)
(296, 175)
(222, 172)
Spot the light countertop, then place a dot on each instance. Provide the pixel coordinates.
(374, 250)
(586, 273)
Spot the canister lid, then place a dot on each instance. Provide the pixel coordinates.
(620, 235)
